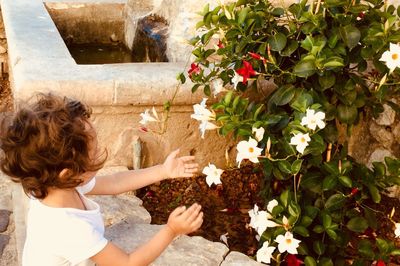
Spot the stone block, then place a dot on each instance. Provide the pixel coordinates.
(235, 258)
(379, 156)
(387, 117)
(184, 250)
(4, 220)
(381, 134)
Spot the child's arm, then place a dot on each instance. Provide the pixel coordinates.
(181, 221)
(130, 180)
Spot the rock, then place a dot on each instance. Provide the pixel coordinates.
(184, 250)
(4, 239)
(235, 258)
(396, 133)
(114, 38)
(4, 220)
(120, 208)
(381, 134)
(387, 117)
(379, 156)
(3, 50)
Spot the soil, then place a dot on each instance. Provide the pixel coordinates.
(226, 207)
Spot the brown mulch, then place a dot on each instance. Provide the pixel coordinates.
(225, 207)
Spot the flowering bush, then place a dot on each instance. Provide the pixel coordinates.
(332, 62)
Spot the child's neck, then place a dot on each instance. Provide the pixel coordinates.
(63, 198)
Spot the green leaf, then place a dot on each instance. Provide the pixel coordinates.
(305, 221)
(285, 167)
(207, 90)
(301, 102)
(243, 14)
(325, 262)
(181, 77)
(277, 42)
(301, 230)
(365, 248)
(304, 68)
(310, 261)
(294, 209)
(327, 80)
(357, 224)
(284, 197)
(319, 247)
(350, 35)
(382, 245)
(326, 220)
(335, 202)
(228, 98)
(329, 182)
(311, 211)
(345, 181)
(331, 233)
(195, 87)
(318, 229)
(290, 48)
(283, 95)
(375, 194)
(347, 114)
(296, 166)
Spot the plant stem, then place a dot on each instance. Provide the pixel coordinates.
(295, 188)
(328, 153)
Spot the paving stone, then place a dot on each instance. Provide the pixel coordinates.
(4, 220)
(184, 250)
(4, 239)
(235, 258)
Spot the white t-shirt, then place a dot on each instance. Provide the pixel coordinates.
(63, 236)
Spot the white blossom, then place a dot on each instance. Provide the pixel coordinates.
(397, 230)
(218, 86)
(391, 57)
(264, 254)
(213, 174)
(206, 125)
(248, 150)
(260, 220)
(300, 140)
(236, 79)
(287, 243)
(271, 205)
(259, 133)
(201, 113)
(146, 117)
(313, 119)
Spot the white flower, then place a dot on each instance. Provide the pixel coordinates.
(271, 205)
(248, 150)
(300, 140)
(205, 125)
(260, 220)
(287, 243)
(264, 254)
(285, 223)
(236, 79)
(213, 174)
(146, 117)
(397, 230)
(218, 86)
(391, 57)
(259, 133)
(201, 113)
(313, 119)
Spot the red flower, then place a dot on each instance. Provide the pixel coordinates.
(257, 57)
(220, 44)
(361, 15)
(246, 71)
(292, 260)
(194, 69)
(380, 263)
(354, 191)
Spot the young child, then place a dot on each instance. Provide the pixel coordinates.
(50, 147)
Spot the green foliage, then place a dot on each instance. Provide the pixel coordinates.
(317, 55)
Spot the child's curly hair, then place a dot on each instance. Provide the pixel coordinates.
(41, 139)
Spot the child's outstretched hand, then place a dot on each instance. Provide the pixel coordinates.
(185, 221)
(179, 167)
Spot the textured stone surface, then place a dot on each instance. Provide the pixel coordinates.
(185, 250)
(120, 208)
(379, 156)
(381, 134)
(4, 220)
(387, 117)
(4, 239)
(239, 259)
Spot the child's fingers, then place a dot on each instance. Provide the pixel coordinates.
(194, 214)
(189, 211)
(178, 211)
(187, 158)
(191, 165)
(196, 224)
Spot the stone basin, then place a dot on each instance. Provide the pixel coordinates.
(40, 62)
